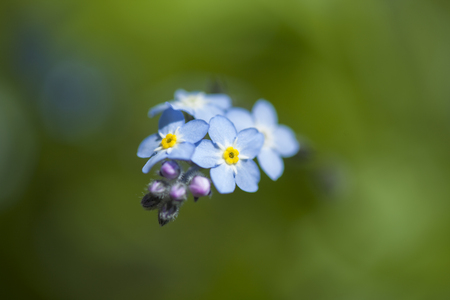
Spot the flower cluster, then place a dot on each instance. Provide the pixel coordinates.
(237, 136)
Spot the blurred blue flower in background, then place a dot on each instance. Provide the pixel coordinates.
(174, 140)
(198, 104)
(279, 140)
(76, 101)
(32, 54)
(230, 156)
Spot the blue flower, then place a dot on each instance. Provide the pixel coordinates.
(230, 156)
(279, 140)
(174, 140)
(198, 104)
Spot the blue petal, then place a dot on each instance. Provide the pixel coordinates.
(193, 131)
(207, 155)
(182, 151)
(180, 93)
(285, 141)
(170, 120)
(223, 101)
(153, 160)
(249, 142)
(178, 105)
(264, 113)
(271, 163)
(241, 118)
(223, 178)
(148, 145)
(207, 112)
(157, 109)
(248, 176)
(222, 131)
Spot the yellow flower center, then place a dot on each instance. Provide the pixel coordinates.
(231, 155)
(169, 141)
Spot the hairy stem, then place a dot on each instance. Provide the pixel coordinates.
(187, 176)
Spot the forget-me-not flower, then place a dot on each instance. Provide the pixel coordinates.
(198, 104)
(279, 140)
(174, 140)
(230, 156)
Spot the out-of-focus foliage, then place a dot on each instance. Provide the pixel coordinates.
(363, 216)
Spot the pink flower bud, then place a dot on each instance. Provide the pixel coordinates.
(157, 187)
(178, 192)
(170, 169)
(200, 186)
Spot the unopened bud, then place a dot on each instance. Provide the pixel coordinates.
(170, 169)
(168, 212)
(150, 201)
(178, 192)
(157, 187)
(200, 186)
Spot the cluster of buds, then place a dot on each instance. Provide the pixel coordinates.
(170, 192)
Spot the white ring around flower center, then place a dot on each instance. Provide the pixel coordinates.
(269, 136)
(179, 139)
(194, 101)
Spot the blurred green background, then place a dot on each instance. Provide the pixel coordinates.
(361, 214)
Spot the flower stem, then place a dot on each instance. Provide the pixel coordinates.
(187, 176)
